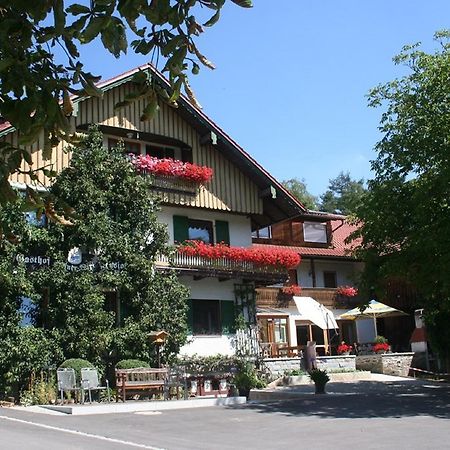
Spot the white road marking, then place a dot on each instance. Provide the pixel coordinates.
(81, 433)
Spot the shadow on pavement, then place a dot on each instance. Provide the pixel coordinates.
(364, 399)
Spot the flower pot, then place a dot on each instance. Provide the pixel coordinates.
(344, 354)
(320, 388)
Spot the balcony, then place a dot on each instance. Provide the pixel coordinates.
(169, 183)
(222, 268)
(273, 298)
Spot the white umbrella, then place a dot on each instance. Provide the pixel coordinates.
(374, 310)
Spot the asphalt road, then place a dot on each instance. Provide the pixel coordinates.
(369, 415)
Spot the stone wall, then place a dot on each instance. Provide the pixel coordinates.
(397, 364)
(278, 366)
(336, 363)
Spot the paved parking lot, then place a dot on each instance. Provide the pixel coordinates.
(367, 414)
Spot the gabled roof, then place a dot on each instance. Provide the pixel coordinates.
(278, 209)
(338, 249)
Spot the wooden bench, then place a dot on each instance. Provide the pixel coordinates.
(135, 381)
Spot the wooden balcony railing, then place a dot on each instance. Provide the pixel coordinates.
(222, 268)
(273, 298)
(168, 183)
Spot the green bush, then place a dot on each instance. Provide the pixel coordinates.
(248, 378)
(77, 364)
(294, 373)
(131, 364)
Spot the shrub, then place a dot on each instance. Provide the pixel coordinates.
(131, 364)
(248, 378)
(77, 364)
(294, 373)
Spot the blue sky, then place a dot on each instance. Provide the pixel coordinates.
(292, 78)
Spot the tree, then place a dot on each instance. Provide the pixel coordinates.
(299, 190)
(343, 194)
(35, 85)
(102, 306)
(405, 215)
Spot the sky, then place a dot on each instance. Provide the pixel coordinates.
(292, 78)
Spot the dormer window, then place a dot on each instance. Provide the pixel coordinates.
(315, 232)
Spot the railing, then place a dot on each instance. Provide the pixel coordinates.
(173, 184)
(274, 298)
(222, 265)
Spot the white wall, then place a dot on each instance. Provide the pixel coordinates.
(346, 272)
(208, 346)
(239, 225)
(210, 288)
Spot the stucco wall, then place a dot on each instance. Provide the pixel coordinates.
(345, 272)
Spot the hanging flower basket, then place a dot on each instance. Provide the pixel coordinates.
(169, 167)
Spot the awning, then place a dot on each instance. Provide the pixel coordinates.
(310, 309)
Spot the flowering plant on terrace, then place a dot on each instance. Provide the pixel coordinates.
(347, 291)
(261, 257)
(381, 347)
(293, 289)
(344, 348)
(172, 167)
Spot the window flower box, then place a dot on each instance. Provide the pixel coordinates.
(171, 168)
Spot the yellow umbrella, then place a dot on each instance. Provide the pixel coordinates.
(374, 310)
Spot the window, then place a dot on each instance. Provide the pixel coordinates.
(201, 230)
(206, 316)
(329, 280)
(315, 232)
(27, 311)
(263, 233)
(112, 304)
(162, 152)
(130, 147)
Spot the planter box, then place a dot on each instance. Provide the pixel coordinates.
(396, 364)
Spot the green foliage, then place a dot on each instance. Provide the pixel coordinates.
(343, 195)
(209, 364)
(131, 364)
(248, 376)
(114, 223)
(380, 340)
(406, 231)
(36, 93)
(77, 364)
(294, 373)
(42, 392)
(319, 376)
(298, 189)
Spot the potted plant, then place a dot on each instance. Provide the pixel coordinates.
(381, 347)
(320, 378)
(344, 349)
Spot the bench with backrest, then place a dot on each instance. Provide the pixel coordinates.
(136, 381)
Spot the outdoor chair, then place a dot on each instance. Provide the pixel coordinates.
(66, 381)
(90, 382)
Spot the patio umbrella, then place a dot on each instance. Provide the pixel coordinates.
(375, 310)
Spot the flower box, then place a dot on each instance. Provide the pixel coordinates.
(168, 167)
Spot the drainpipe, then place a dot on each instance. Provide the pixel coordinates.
(313, 273)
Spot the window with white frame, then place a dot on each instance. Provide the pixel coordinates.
(315, 232)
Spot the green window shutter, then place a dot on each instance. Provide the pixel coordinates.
(222, 232)
(180, 228)
(190, 317)
(228, 317)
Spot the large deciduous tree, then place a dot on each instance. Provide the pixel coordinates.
(343, 194)
(36, 84)
(405, 215)
(102, 305)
